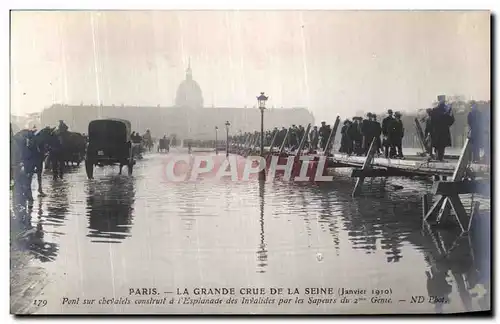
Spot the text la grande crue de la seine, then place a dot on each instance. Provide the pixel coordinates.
(246, 291)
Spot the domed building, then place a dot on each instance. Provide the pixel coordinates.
(189, 93)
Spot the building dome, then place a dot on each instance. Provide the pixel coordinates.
(189, 92)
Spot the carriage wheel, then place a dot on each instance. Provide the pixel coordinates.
(89, 168)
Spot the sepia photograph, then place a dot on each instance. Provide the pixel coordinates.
(332, 162)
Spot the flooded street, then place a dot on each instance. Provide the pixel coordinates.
(95, 239)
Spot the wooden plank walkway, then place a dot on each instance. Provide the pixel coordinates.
(414, 165)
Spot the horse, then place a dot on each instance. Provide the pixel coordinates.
(28, 152)
(73, 150)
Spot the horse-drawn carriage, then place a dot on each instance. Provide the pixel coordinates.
(164, 144)
(74, 145)
(109, 143)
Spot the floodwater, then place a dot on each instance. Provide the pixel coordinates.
(95, 239)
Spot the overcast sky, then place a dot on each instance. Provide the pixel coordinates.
(331, 62)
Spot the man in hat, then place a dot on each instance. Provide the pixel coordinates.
(358, 136)
(387, 132)
(301, 132)
(367, 132)
(476, 131)
(281, 137)
(345, 141)
(353, 134)
(313, 138)
(323, 135)
(377, 131)
(62, 127)
(441, 120)
(398, 134)
(294, 136)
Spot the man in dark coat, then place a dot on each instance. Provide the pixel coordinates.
(377, 131)
(313, 138)
(62, 127)
(301, 132)
(274, 135)
(398, 132)
(475, 122)
(294, 137)
(357, 137)
(367, 132)
(387, 124)
(441, 120)
(352, 133)
(323, 135)
(281, 137)
(29, 153)
(345, 142)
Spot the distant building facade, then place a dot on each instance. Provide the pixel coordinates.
(187, 119)
(28, 121)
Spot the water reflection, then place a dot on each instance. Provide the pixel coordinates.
(372, 222)
(329, 215)
(57, 204)
(459, 260)
(110, 203)
(262, 250)
(458, 265)
(27, 237)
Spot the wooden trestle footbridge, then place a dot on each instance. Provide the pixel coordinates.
(453, 178)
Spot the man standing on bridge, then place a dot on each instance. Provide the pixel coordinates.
(366, 132)
(427, 133)
(345, 141)
(323, 136)
(377, 130)
(398, 134)
(281, 137)
(475, 122)
(387, 132)
(441, 120)
(357, 136)
(313, 138)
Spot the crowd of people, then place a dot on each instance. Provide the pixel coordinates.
(290, 138)
(357, 134)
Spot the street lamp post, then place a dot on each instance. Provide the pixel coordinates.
(216, 130)
(227, 137)
(262, 106)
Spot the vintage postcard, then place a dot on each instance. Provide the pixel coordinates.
(250, 162)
